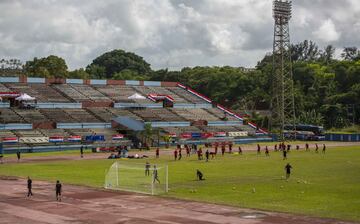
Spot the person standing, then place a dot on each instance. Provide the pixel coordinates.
(288, 168)
(180, 155)
(230, 147)
(284, 154)
(199, 153)
(157, 152)
(82, 151)
(306, 147)
(155, 175)
(147, 168)
(29, 186)
(222, 150)
(175, 154)
(18, 155)
(258, 149)
(207, 153)
(267, 151)
(1, 153)
(58, 190)
(324, 149)
(316, 148)
(240, 150)
(275, 148)
(187, 151)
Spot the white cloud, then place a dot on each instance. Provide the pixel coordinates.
(327, 31)
(167, 33)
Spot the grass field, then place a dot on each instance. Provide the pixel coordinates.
(320, 185)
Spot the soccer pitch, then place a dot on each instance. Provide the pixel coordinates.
(320, 185)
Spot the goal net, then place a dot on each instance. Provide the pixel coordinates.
(136, 177)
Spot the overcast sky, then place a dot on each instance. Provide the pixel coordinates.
(167, 33)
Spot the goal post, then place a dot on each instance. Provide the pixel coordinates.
(134, 177)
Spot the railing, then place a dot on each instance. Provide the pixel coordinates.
(82, 125)
(145, 105)
(15, 126)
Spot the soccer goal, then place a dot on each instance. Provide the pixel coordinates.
(136, 178)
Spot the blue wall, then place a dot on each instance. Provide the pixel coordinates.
(343, 137)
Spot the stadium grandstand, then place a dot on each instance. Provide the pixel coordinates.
(39, 114)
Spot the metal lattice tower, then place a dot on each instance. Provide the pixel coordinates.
(282, 104)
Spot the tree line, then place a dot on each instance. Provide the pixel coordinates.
(327, 90)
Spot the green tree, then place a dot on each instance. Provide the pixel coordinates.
(51, 66)
(79, 74)
(110, 63)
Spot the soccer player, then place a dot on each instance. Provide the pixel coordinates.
(324, 149)
(288, 168)
(180, 155)
(316, 148)
(222, 149)
(155, 175)
(284, 154)
(307, 147)
(58, 187)
(275, 148)
(157, 152)
(175, 154)
(288, 148)
(258, 149)
(199, 175)
(266, 151)
(199, 153)
(207, 153)
(230, 147)
(240, 150)
(18, 155)
(187, 151)
(29, 186)
(81, 151)
(297, 147)
(147, 168)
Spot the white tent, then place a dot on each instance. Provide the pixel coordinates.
(136, 96)
(24, 97)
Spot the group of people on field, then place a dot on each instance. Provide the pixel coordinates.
(285, 149)
(58, 189)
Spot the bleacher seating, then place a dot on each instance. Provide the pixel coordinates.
(94, 105)
(185, 95)
(6, 134)
(89, 92)
(41, 92)
(81, 115)
(103, 113)
(145, 90)
(57, 115)
(121, 93)
(165, 115)
(194, 114)
(31, 116)
(3, 88)
(71, 92)
(54, 132)
(10, 116)
(220, 114)
(123, 112)
(28, 133)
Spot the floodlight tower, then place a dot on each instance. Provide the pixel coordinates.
(282, 104)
